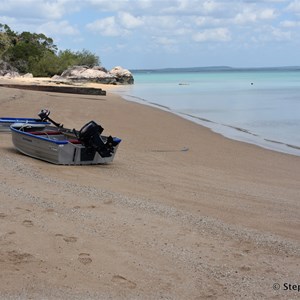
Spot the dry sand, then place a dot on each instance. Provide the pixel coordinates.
(219, 221)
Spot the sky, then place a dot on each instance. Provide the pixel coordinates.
(151, 34)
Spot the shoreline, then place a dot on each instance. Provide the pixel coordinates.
(181, 213)
(228, 131)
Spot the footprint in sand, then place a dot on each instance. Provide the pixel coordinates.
(70, 239)
(108, 201)
(123, 281)
(2, 215)
(92, 206)
(27, 223)
(245, 268)
(84, 258)
(17, 258)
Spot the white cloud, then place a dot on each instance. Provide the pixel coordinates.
(104, 5)
(145, 4)
(210, 6)
(164, 41)
(28, 9)
(294, 7)
(162, 22)
(207, 21)
(250, 15)
(213, 35)
(7, 20)
(295, 4)
(107, 27)
(182, 31)
(264, 1)
(245, 17)
(290, 24)
(129, 21)
(169, 45)
(268, 34)
(267, 14)
(280, 35)
(58, 28)
(190, 7)
(116, 25)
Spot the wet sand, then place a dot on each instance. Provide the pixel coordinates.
(181, 213)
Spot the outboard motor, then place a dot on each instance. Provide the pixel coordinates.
(90, 136)
(44, 116)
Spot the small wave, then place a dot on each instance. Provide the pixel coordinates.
(241, 129)
(128, 97)
(199, 118)
(281, 143)
(293, 146)
(220, 128)
(255, 139)
(273, 141)
(134, 97)
(160, 105)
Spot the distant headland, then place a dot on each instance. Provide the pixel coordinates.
(216, 69)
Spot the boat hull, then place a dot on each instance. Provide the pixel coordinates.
(57, 149)
(5, 123)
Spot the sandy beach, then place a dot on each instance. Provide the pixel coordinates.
(181, 213)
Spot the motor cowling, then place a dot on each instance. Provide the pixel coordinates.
(44, 114)
(90, 136)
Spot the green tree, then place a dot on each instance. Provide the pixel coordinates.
(37, 54)
(4, 43)
(66, 59)
(28, 49)
(7, 38)
(85, 57)
(46, 66)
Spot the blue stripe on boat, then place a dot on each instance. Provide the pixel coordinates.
(117, 140)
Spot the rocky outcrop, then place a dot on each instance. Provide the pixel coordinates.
(117, 75)
(123, 76)
(8, 70)
(27, 75)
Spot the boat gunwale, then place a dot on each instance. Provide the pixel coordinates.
(63, 142)
(18, 120)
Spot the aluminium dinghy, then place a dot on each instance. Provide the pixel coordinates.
(6, 122)
(62, 146)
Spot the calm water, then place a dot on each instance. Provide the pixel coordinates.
(256, 106)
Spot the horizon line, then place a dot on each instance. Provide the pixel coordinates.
(216, 68)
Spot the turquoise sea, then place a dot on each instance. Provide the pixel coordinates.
(259, 106)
